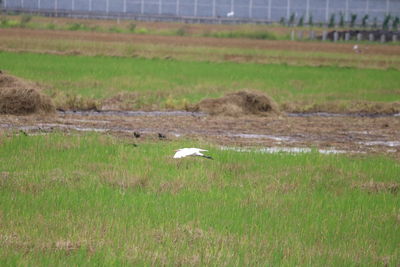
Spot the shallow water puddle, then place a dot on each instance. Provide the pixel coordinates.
(381, 143)
(327, 114)
(290, 150)
(262, 136)
(133, 113)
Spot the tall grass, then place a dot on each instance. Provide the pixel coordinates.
(158, 80)
(99, 200)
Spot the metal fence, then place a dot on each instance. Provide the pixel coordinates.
(266, 10)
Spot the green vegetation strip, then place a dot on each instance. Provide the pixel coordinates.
(157, 82)
(96, 199)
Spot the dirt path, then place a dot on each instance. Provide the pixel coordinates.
(340, 134)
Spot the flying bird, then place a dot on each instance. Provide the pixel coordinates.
(185, 152)
(230, 14)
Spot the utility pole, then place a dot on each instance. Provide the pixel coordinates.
(269, 9)
(307, 9)
(387, 7)
(327, 11)
(250, 9)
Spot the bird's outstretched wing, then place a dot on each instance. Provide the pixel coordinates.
(185, 152)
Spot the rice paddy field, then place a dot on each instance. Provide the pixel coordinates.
(94, 199)
(76, 197)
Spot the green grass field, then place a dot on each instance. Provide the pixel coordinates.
(95, 199)
(158, 81)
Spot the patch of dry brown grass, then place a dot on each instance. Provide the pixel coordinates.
(246, 102)
(360, 107)
(75, 102)
(123, 179)
(378, 187)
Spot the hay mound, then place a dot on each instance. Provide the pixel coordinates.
(240, 103)
(21, 97)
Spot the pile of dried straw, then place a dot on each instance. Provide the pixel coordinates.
(247, 102)
(21, 97)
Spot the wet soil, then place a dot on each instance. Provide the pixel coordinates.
(353, 134)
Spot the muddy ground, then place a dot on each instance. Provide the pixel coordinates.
(335, 134)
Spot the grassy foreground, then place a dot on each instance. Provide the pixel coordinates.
(163, 83)
(95, 199)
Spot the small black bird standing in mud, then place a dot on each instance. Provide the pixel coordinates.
(136, 134)
(161, 136)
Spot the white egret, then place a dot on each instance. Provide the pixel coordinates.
(230, 14)
(185, 152)
(356, 48)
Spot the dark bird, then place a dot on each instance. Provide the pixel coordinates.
(161, 136)
(136, 134)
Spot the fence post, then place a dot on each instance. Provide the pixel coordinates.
(292, 35)
(347, 36)
(324, 34)
(300, 35)
(394, 38)
(312, 35)
(371, 37)
(335, 36)
(213, 9)
(359, 37)
(383, 38)
(37, 3)
(124, 6)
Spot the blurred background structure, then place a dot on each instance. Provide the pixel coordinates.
(215, 11)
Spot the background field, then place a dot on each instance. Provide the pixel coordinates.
(157, 83)
(141, 65)
(99, 200)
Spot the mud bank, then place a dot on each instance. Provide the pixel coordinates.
(326, 133)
